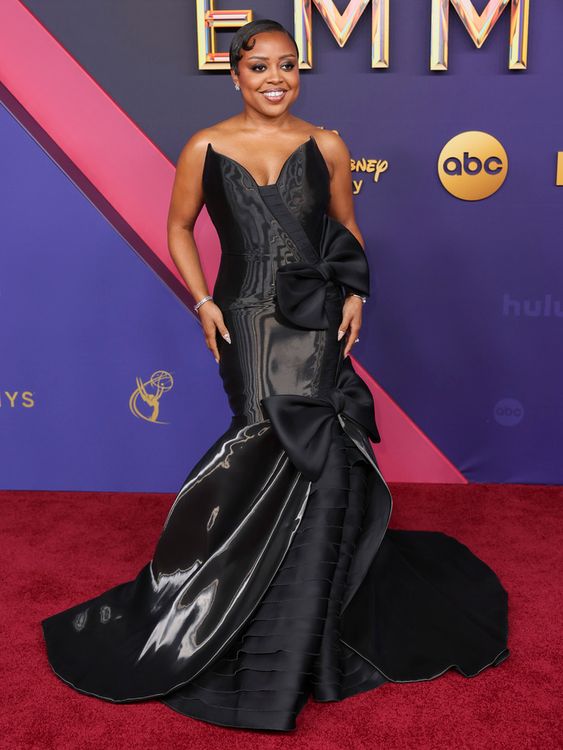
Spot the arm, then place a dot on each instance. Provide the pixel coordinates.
(341, 208)
(185, 204)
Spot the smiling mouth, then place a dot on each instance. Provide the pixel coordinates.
(275, 95)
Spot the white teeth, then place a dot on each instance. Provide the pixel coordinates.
(271, 94)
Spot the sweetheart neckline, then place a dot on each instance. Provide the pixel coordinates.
(311, 139)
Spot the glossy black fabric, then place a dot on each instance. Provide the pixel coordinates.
(305, 424)
(301, 286)
(276, 576)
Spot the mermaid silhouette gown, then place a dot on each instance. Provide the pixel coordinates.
(276, 576)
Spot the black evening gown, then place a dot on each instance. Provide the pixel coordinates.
(276, 576)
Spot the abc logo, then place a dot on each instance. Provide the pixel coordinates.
(473, 165)
(508, 412)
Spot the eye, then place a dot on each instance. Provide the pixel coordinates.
(290, 64)
(258, 67)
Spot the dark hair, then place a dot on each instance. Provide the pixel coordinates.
(242, 35)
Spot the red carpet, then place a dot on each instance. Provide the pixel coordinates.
(60, 548)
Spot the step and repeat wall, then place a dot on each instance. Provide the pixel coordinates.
(453, 114)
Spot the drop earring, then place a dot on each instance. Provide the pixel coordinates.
(237, 87)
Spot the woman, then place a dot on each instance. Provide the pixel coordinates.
(276, 576)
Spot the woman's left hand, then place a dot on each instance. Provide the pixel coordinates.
(351, 321)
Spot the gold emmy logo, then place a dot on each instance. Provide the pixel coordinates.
(478, 25)
(559, 170)
(473, 165)
(150, 392)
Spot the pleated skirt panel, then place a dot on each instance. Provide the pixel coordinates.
(290, 648)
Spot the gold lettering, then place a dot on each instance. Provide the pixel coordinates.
(370, 166)
(358, 165)
(559, 173)
(207, 21)
(27, 399)
(12, 398)
(382, 167)
(341, 25)
(479, 26)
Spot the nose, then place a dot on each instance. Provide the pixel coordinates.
(275, 77)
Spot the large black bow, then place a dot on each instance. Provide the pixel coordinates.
(301, 287)
(304, 424)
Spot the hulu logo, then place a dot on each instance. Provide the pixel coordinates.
(532, 308)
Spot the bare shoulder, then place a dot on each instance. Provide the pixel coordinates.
(195, 147)
(331, 144)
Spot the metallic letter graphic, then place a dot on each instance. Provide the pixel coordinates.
(479, 27)
(209, 19)
(341, 26)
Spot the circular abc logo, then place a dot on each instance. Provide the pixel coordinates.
(508, 412)
(473, 165)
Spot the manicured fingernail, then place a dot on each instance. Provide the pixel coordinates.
(216, 360)
(340, 334)
(227, 337)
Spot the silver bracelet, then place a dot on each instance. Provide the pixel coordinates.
(354, 294)
(200, 303)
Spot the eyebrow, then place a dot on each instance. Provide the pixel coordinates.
(261, 57)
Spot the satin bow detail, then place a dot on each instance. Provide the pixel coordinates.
(301, 287)
(304, 424)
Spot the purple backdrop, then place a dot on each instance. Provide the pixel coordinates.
(464, 327)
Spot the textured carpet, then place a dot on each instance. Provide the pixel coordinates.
(60, 548)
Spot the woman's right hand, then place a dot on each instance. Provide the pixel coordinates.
(212, 321)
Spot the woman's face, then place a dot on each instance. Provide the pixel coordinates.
(268, 73)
